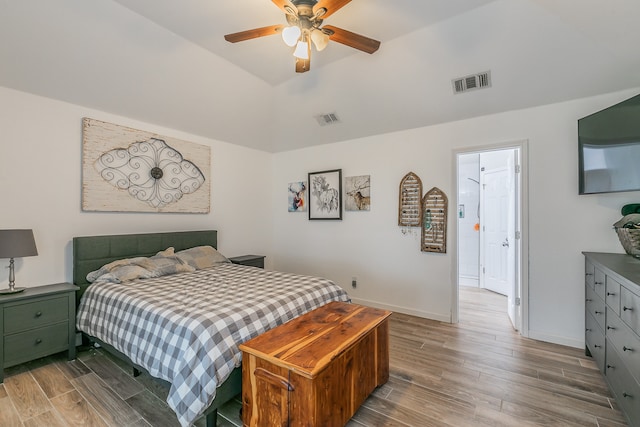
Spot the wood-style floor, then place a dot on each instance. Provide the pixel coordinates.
(476, 373)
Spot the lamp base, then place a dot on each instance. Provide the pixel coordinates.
(9, 291)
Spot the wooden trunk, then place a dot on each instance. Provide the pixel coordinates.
(317, 369)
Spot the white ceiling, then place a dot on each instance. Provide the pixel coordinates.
(166, 62)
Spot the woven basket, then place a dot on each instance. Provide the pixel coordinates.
(630, 239)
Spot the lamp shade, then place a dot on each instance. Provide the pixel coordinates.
(17, 244)
(290, 35)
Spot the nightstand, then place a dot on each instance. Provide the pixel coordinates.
(37, 322)
(251, 260)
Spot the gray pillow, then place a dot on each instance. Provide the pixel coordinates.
(201, 257)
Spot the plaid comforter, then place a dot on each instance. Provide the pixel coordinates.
(186, 328)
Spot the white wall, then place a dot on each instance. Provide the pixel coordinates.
(468, 235)
(392, 271)
(40, 188)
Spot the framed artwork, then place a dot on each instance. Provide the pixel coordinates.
(130, 170)
(357, 190)
(297, 197)
(325, 194)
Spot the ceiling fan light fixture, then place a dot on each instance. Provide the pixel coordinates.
(302, 50)
(290, 35)
(320, 39)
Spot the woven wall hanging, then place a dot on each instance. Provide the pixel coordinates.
(434, 221)
(409, 209)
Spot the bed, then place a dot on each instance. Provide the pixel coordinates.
(184, 328)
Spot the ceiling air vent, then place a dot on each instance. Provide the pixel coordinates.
(327, 119)
(474, 81)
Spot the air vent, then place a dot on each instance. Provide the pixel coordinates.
(472, 82)
(327, 119)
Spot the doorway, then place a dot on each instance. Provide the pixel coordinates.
(490, 218)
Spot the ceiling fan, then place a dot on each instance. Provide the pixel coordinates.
(305, 18)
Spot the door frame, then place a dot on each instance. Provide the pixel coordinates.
(522, 218)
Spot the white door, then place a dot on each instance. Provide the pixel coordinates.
(497, 231)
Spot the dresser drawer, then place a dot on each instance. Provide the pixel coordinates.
(29, 345)
(630, 308)
(598, 282)
(623, 385)
(595, 307)
(35, 313)
(588, 273)
(595, 341)
(612, 294)
(626, 343)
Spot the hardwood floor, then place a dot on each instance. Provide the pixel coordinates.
(476, 373)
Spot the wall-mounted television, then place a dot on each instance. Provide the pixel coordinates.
(609, 149)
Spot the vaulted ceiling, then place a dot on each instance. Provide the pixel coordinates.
(166, 62)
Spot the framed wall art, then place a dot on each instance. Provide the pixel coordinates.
(129, 170)
(357, 190)
(325, 194)
(297, 200)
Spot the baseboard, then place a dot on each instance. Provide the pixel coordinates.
(433, 316)
(556, 339)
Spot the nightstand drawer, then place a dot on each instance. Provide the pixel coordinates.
(625, 388)
(35, 343)
(36, 313)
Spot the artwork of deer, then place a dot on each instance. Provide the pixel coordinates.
(358, 188)
(327, 198)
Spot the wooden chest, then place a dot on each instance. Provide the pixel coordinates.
(317, 369)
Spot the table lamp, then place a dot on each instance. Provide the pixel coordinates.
(14, 244)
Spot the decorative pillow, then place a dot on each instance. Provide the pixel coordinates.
(201, 257)
(167, 252)
(125, 273)
(142, 262)
(163, 265)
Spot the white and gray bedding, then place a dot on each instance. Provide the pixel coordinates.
(185, 328)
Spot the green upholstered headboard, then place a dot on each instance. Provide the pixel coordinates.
(92, 252)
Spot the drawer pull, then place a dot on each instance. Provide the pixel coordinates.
(588, 300)
(599, 283)
(610, 366)
(38, 313)
(273, 379)
(597, 346)
(627, 308)
(627, 395)
(598, 312)
(588, 274)
(588, 330)
(611, 328)
(625, 348)
(610, 294)
(38, 341)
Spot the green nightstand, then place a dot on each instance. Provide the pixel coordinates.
(251, 260)
(37, 322)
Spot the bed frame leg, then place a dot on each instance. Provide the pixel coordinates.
(212, 418)
(136, 372)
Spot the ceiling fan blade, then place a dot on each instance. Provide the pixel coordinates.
(332, 6)
(286, 6)
(253, 34)
(353, 40)
(303, 65)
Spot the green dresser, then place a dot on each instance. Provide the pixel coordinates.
(37, 322)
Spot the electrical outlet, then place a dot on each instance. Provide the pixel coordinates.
(354, 282)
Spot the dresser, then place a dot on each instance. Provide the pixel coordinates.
(317, 369)
(37, 322)
(612, 325)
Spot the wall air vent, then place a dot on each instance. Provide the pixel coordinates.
(327, 119)
(472, 82)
